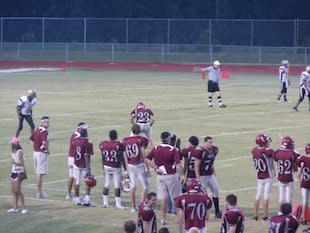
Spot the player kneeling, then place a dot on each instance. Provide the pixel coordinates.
(192, 207)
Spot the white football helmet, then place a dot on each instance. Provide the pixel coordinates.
(126, 185)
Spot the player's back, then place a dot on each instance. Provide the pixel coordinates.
(285, 159)
(233, 216)
(263, 162)
(283, 224)
(191, 153)
(133, 147)
(81, 148)
(111, 152)
(142, 115)
(207, 160)
(303, 162)
(195, 207)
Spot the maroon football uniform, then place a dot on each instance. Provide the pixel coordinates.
(39, 136)
(132, 146)
(263, 162)
(71, 150)
(303, 162)
(283, 224)
(207, 161)
(147, 214)
(191, 153)
(286, 160)
(233, 217)
(111, 152)
(142, 115)
(165, 155)
(195, 207)
(82, 147)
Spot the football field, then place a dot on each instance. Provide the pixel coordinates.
(179, 102)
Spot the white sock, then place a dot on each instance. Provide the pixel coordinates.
(118, 201)
(105, 199)
(87, 199)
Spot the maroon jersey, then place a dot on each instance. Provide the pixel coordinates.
(303, 162)
(283, 224)
(71, 150)
(82, 147)
(286, 160)
(142, 115)
(207, 161)
(111, 152)
(39, 136)
(233, 217)
(191, 153)
(165, 155)
(195, 207)
(146, 214)
(263, 162)
(133, 147)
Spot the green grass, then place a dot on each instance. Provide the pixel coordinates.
(104, 100)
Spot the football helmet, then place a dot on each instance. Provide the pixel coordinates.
(287, 142)
(193, 186)
(262, 140)
(126, 185)
(307, 148)
(90, 181)
(140, 105)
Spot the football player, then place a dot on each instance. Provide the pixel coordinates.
(83, 149)
(112, 158)
(303, 164)
(283, 77)
(24, 110)
(144, 117)
(39, 137)
(134, 153)
(192, 207)
(165, 160)
(205, 172)
(285, 158)
(146, 215)
(304, 87)
(189, 154)
(70, 159)
(233, 219)
(285, 222)
(263, 163)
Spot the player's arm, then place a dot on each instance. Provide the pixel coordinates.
(122, 160)
(132, 120)
(125, 161)
(146, 227)
(180, 219)
(152, 119)
(19, 111)
(197, 168)
(44, 146)
(87, 163)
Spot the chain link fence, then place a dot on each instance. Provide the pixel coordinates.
(155, 40)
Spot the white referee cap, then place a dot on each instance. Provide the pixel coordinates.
(216, 63)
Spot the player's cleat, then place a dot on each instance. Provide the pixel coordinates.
(265, 218)
(163, 222)
(77, 201)
(120, 207)
(223, 106)
(105, 206)
(41, 195)
(133, 210)
(24, 211)
(255, 218)
(69, 196)
(279, 99)
(210, 105)
(12, 210)
(304, 222)
(87, 204)
(295, 109)
(218, 214)
(285, 99)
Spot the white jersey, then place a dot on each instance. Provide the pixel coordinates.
(283, 74)
(16, 159)
(26, 105)
(305, 80)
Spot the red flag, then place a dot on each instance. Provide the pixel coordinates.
(225, 75)
(203, 75)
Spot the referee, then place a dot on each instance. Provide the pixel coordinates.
(213, 83)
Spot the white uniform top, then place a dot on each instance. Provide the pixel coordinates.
(283, 74)
(214, 74)
(305, 80)
(26, 105)
(16, 159)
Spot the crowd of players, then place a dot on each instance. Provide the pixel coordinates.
(182, 184)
